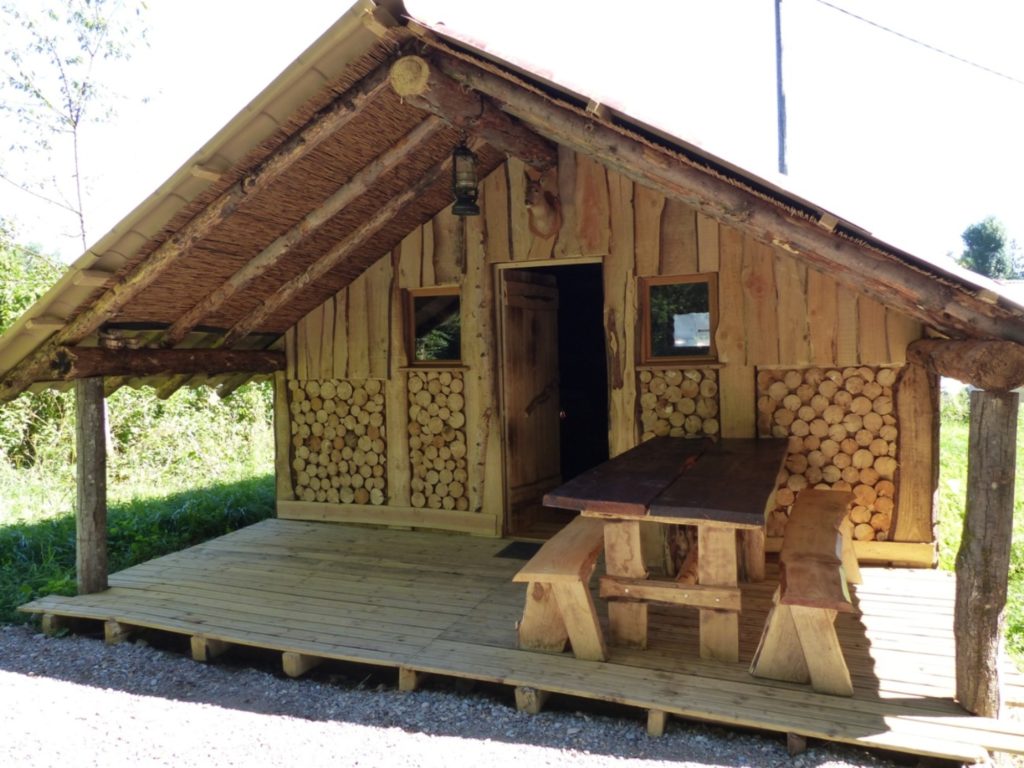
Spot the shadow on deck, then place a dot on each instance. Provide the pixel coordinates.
(441, 603)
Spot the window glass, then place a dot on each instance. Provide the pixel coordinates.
(436, 327)
(680, 317)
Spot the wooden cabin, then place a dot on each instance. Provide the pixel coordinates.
(441, 372)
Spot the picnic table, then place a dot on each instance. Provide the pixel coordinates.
(720, 486)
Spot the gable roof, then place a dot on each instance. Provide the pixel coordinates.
(328, 168)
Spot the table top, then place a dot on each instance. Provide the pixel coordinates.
(728, 481)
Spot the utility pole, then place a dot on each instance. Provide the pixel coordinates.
(780, 94)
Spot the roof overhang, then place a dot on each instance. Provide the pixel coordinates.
(111, 290)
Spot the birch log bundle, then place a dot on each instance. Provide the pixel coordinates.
(437, 440)
(842, 430)
(339, 445)
(679, 402)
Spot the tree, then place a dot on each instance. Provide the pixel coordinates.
(988, 251)
(52, 86)
(35, 421)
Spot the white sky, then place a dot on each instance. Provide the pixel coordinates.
(900, 140)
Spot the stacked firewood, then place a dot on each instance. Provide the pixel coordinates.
(339, 448)
(842, 432)
(437, 440)
(679, 402)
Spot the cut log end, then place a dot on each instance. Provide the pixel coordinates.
(409, 76)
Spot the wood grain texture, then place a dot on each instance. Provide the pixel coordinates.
(91, 483)
(916, 394)
(760, 295)
(983, 562)
(592, 207)
(620, 307)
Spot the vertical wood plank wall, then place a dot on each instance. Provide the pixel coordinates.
(774, 312)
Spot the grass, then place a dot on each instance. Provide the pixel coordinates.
(180, 471)
(954, 431)
(38, 558)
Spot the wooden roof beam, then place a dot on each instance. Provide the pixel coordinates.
(855, 264)
(282, 246)
(337, 254)
(321, 126)
(424, 86)
(86, 362)
(995, 366)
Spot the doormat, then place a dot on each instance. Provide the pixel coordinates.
(520, 550)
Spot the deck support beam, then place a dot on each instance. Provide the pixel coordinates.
(114, 632)
(656, 721)
(206, 648)
(983, 562)
(410, 679)
(91, 510)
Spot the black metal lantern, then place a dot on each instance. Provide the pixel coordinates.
(464, 181)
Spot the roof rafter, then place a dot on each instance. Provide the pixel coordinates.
(337, 254)
(321, 126)
(854, 263)
(423, 86)
(277, 250)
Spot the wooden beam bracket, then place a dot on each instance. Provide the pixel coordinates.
(995, 366)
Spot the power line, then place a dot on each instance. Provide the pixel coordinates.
(923, 44)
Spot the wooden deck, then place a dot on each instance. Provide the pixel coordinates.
(445, 604)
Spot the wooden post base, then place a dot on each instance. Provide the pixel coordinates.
(656, 720)
(530, 700)
(297, 664)
(206, 648)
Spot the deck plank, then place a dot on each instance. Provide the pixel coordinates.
(445, 604)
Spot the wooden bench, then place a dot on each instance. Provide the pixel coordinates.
(816, 563)
(559, 606)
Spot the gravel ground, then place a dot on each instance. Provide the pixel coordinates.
(73, 701)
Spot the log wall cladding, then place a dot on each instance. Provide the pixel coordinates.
(843, 434)
(339, 441)
(437, 440)
(678, 402)
(778, 319)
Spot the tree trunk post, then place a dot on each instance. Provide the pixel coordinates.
(983, 562)
(91, 512)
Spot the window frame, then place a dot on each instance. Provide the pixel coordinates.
(646, 353)
(411, 294)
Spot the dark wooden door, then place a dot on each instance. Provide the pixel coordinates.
(530, 387)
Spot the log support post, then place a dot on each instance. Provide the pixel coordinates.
(983, 562)
(995, 368)
(91, 511)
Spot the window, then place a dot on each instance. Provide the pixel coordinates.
(679, 318)
(434, 327)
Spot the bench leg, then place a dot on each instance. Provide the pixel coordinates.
(542, 627)
(779, 655)
(817, 632)
(851, 568)
(579, 618)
